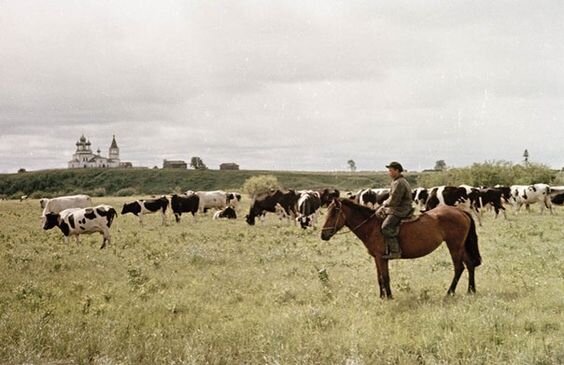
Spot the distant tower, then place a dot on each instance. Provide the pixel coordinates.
(114, 150)
(526, 157)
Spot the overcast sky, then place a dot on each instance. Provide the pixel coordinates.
(294, 85)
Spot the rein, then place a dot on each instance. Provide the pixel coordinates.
(350, 229)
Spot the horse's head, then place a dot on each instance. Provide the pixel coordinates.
(335, 220)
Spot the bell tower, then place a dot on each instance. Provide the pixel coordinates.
(114, 150)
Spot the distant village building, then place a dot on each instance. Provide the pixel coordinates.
(85, 158)
(229, 166)
(174, 164)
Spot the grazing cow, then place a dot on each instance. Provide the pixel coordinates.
(531, 194)
(557, 195)
(184, 204)
(211, 200)
(372, 198)
(23, 197)
(58, 204)
(490, 197)
(505, 193)
(557, 199)
(268, 203)
(141, 207)
(76, 221)
(327, 195)
(227, 213)
(420, 196)
(308, 205)
(446, 195)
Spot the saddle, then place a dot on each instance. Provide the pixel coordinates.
(411, 217)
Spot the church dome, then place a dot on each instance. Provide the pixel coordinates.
(82, 139)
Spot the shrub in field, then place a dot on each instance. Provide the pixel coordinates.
(261, 184)
(96, 192)
(40, 194)
(126, 192)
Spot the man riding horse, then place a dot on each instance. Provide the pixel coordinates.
(396, 207)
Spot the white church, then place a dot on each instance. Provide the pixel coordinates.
(85, 158)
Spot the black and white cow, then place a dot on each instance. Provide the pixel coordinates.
(420, 196)
(308, 206)
(372, 198)
(141, 207)
(184, 204)
(531, 194)
(446, 195)
(226, 213)
(77, 221)
(233, 199)
(490, 197)
(269, 203)
(327, 195)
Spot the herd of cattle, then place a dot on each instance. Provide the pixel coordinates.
(75, 215)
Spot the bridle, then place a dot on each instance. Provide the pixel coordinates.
(334, 228)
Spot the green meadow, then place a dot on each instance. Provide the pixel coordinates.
(223, 292)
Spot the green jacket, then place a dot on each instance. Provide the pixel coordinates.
(400, 201)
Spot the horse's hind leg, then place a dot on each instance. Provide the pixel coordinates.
(471, 281)
(458, 269)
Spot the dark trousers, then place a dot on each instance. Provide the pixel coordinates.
(390, 226)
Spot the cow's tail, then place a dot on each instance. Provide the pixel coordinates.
(471, 243)
(111, 215)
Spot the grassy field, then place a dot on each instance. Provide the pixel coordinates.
(222, 292)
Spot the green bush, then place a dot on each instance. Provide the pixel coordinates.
(256, 185)
(40, 194)
(98, 192)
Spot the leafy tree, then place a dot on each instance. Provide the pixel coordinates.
(22, 170)
(352, 165)
(197, 164)
(440, 165)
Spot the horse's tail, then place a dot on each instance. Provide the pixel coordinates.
(471, 243)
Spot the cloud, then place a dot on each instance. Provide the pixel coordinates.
(290, 85)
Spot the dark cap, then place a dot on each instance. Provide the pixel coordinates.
(395, 165)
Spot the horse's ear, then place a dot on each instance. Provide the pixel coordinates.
(337, 202)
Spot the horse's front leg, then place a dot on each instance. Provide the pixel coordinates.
(383, 277)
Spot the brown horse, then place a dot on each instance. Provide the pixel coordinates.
(417, 238)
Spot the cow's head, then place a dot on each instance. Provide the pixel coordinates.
(133, 207)
(304, 221)
(51, 220)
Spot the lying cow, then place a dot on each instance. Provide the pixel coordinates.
(58, 204)
(227, 213)
(269, 203)
(184, 204)
(308, 205)
(141, 207)
(77, 221)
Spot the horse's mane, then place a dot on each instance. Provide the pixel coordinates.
(363, 210)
